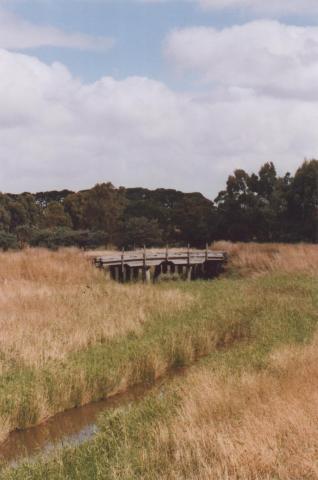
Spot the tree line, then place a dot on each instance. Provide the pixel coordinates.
(263, 207)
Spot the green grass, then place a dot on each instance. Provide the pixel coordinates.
(233, 325)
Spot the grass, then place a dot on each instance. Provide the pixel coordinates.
(256, 425)
(53, 304)
(63, 328)
(257, 258)
(247, 410)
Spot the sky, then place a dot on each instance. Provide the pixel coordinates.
(154, 93)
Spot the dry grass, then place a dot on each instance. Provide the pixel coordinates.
(257, 258)
(260, 426)
(243, 414)
(52, 304)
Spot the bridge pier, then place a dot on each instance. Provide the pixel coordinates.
(189, 273)
(157, 273)
(147, 275)
(124, 274)
(107, 271)
(150, 274)
(130, 274)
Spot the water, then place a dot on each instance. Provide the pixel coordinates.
(68, 428)
(72, 427)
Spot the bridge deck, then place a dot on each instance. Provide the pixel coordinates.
(154, 258)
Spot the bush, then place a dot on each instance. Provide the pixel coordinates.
(64, 237)
(8, 241)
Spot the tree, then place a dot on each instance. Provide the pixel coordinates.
(304, 201)
(195, 219)
(74, 206)
(8, 241)
(267, 179)
(139, 231)
(5, 217)
(103, 209)
(55, 216)
(55, 238)
(238, 210)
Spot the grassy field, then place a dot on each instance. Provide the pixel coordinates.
(248, 407)
(63, 331)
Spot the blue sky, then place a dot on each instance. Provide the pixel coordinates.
(138, 30)
(149, 92)
(137, 27)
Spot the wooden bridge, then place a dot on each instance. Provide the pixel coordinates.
(150, 265)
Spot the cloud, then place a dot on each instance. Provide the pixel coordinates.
(17, 33)
(267, 7)
(266, 57)
(259, 7)
(57, 132)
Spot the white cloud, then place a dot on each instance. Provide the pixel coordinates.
(264, 56)
(270, 8)
(57, 132)
(267, 7)
(17, 33)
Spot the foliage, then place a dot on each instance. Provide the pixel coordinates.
(266, 207)
(65, 237)
(139, 231)
(263, 207)
(8, 241)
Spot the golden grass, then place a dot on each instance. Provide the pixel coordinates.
(257, 426)
(55, 303)
(229, 425)
(258, 258)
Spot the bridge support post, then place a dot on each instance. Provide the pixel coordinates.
(129, 274)
(189, 273)
(183, 272)
(135, 273)
(107, 273)
(147, 275)
(205, 266)
(152, 271)
(124, 273)
(140, 274)
(157, 273)
(116, 273)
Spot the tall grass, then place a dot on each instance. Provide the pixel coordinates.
(258, 258)
(257, 426)
(69, 336)
(244, 412)
(56, 303)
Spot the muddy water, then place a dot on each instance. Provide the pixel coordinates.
(68, 428)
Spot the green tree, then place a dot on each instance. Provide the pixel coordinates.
(304, 201)
(103, 209)
(8, 241)
(139, 231)
(74, 206)
(55, 216)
